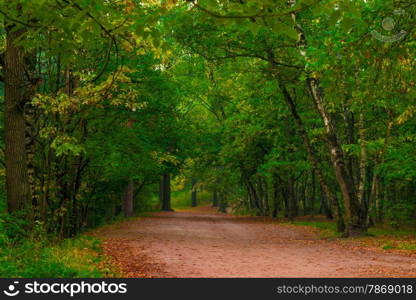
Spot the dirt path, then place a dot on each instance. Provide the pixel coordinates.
(206, 244)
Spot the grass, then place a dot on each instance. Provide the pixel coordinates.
(382, 237)
(386, 230)
(406, 245)
(72, 258)
(326, 230)
(391, 238)
(411, 246)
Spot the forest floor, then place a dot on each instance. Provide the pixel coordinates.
(203, 243)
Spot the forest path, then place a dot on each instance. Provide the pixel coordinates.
(203, 243)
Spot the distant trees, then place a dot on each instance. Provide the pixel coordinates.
(278, 109)
(295, 87)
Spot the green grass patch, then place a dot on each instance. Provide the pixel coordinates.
(410, 246)
(326, 229)
(72, 258)
(399, 245)
(389, 231)
(385, 237)
(388, 246)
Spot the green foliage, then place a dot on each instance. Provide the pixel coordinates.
(326, 229)
(31, 254)
(123, 92)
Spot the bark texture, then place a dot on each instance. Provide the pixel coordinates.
(128, 199)
(353, 213)
(16, 93)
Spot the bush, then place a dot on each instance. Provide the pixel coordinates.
(35, 256)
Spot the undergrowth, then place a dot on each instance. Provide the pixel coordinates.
(382, 236)
(34, 254)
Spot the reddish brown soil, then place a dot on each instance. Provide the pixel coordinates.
(203, 243)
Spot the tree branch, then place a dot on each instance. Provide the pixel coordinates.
(260, 14)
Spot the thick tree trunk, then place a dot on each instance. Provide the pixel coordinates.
(166, 206)
(16, 86)
(128, 198)
(374, 196)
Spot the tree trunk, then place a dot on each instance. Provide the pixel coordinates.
(254, 196)
(374, 201)
(312, 157)
(353, 213)
(128, 198)
(16, 86)
(166, 193)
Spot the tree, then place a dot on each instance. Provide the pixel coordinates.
(18, 91)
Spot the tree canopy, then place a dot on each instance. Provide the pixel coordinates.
(278, 108)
